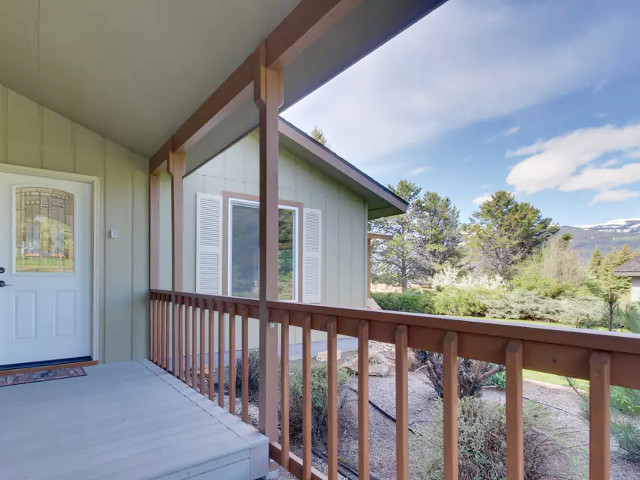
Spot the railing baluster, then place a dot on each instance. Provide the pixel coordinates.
(211, 340)
(203, 337)
(194, 345)
(402, 405)
(284, 391)
(599, 416)
(363, 400)
(162, 330)
(245, 364)
(515, 423)
(180, 301)
(176, 335)
(306, 398)
(152, 329)
(187, 342)
(232, 359)
(332, 380)
(167, 333)
(450, 405)
(221, 309)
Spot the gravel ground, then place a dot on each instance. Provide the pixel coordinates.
(562, 402)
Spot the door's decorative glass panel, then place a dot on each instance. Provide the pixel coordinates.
(44, 220)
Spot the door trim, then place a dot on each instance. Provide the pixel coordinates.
(96, 246)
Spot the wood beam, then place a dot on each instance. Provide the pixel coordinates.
(268, 89)
(306, 23)
(176, 169)
(154, 231)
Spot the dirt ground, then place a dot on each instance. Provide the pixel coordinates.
(562, 402)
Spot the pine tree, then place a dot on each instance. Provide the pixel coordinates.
(318, 136)
(595, 261)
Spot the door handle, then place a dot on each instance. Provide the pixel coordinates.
(4, 284)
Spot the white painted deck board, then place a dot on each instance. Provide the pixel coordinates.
(129, 420)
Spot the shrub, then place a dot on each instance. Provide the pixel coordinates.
(460, 301)
(254, 375)
(472, 374)
(410, 301)
(452, 277)
(499, 380)
(482, 444)
(625, 400)
(526, 305)
(628, 437)
(319, 402)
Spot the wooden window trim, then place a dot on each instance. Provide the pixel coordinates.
(227, 196)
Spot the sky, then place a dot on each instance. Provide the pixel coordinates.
(540, 98)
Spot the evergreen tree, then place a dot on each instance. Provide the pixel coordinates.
(595, 261)
(604, 273)
(427, 236)
(318, 136)
(504, 232)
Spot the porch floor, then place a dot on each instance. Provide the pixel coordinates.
(129, 420)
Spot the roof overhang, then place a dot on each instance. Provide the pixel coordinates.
(617, 273)
(380, 200)
(134, 71)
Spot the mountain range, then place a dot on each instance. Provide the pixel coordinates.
(607, 236)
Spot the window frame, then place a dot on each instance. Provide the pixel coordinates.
(242, 200)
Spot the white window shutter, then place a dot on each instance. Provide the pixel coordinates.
(209, 244)
(312, 256)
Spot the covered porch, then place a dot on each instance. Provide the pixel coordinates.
(125, 420)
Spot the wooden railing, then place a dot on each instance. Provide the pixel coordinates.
(602, 358)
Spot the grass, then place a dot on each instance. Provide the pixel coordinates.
(44, 264)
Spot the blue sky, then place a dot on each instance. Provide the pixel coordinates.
(539, 98)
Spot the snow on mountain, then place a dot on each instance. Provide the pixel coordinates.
(620, 225)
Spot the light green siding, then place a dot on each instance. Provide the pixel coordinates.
(33, 136)
(344, 218)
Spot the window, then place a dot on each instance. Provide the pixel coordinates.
(244, 250)
(44, 221)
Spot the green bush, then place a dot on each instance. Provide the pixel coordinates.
(628, 437)
(468, 302)
(482, 444)
(410, 301)
(527, 305)
(499, 380)
(319, 402)
(530, 279)
(625, 400)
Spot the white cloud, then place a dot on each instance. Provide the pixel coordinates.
(614, 196)
(512, 130)
(633, 155)
(552, 163)
(610, 163)
(603, 178)
(468, 61)
(482, 198)
(417, 171)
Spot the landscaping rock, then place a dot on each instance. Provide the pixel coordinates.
(379, 366)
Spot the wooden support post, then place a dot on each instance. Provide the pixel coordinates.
(363, 400)
(268, 88)
(176, 168)
(450, 406)
(515, 422)
(154, 260)
(402, 405)
(599, 416)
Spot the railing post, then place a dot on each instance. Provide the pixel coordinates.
(154, 259)
(363, 400)
(599, 416)
(332, 394)
(402, 405)
(515, 422)
(450, 406)
(268, 87)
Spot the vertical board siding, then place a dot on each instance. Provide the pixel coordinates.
(344, 214)
(33, 136)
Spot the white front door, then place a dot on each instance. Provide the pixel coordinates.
(46, 269)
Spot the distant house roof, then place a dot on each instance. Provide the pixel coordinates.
(630, 268)
(381, 201)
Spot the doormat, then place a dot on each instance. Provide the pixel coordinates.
(41, 376)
